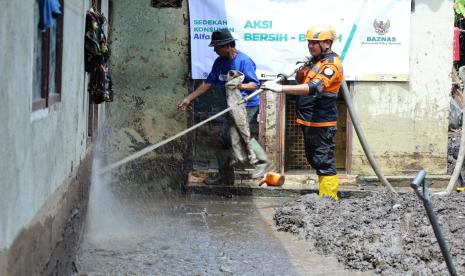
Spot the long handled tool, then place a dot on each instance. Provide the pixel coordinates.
(425, 197)
(161, 143)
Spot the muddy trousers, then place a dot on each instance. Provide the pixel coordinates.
(224, 155)
(225, 170)
(225, 138)
(319, 150)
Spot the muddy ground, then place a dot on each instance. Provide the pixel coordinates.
(368, 234)
(193, 236)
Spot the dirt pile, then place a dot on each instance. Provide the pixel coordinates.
(368, 234)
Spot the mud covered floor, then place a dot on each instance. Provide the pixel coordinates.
(368, 234)
(194, 236)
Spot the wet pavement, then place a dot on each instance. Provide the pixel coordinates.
(195, 235)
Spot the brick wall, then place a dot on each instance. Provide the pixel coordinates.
(295, 149)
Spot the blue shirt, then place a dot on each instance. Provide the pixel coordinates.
(241, 62)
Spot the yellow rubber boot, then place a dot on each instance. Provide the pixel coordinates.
(328, 186)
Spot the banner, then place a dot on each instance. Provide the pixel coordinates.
(373, 36)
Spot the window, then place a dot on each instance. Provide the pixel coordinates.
(48, 55)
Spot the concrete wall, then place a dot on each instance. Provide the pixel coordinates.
(44, 154)
(406, 123)
(150, 65)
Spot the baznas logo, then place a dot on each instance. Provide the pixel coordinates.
(381, 27)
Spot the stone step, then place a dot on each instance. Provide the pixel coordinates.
(296, 179)
(299, 184)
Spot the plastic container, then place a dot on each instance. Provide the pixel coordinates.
(273, 179)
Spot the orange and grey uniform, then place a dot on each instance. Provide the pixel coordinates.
(317, 111)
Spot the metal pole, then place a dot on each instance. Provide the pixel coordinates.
(425, 197)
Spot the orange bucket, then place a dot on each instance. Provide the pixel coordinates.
(273, 179)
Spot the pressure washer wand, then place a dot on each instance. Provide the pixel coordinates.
(425, 197)
(258, 91)
(161, 143)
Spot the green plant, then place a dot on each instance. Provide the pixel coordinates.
(459, 7)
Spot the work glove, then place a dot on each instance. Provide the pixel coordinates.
(272, 86)
(305, 60)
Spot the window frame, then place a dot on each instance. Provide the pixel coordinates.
(46, 97)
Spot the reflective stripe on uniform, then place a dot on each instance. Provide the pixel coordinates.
(316, 124)
(320, 108)
(329, 70)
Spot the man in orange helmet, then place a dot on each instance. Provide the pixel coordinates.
(318, 84)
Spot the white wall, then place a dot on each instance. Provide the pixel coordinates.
(406, 123)
(38, 150)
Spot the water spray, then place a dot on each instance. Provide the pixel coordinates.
(281, 77)
(184, 132)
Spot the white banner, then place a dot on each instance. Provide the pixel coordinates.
(373, 36)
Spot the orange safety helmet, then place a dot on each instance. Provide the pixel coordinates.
(321, 33)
